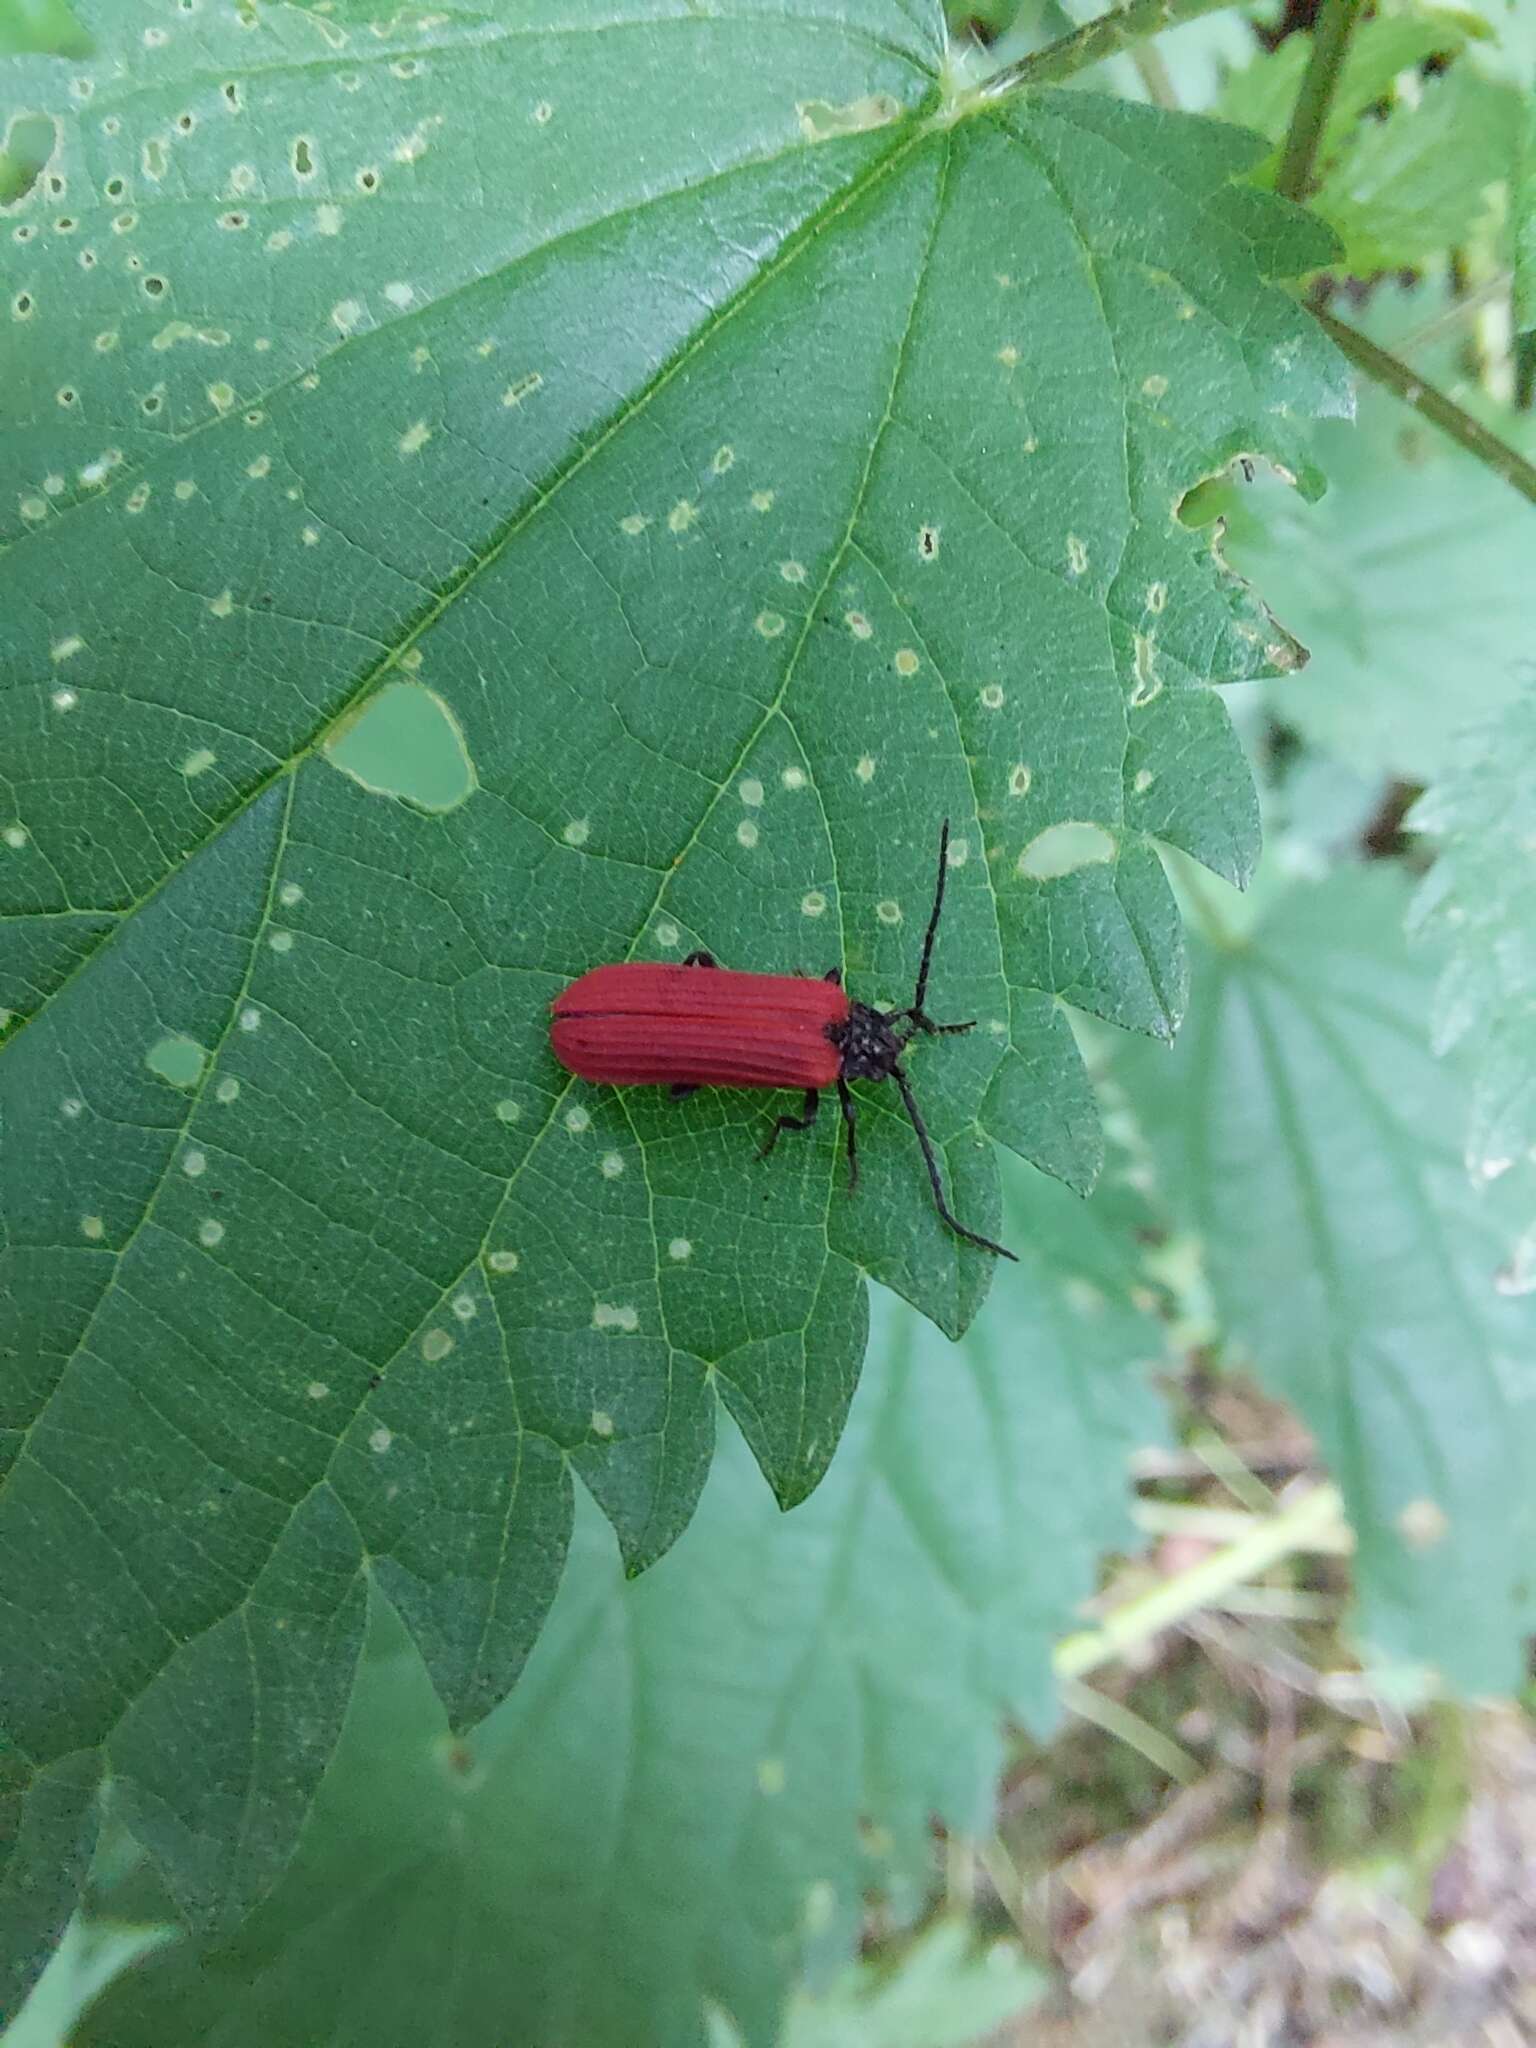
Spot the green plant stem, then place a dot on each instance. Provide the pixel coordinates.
(1129, 1727)
(1309, 117)
(1312, 1523)
(1105, 36)
(1433, 405)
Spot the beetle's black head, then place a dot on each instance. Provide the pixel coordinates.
(868, 1042)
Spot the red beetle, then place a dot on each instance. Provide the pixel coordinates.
(702, 1025)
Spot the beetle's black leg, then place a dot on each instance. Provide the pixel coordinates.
(812, 1106)
(933, 925)
(681, 1090)
(701, 959)
(921, 1021)
(850, 1120)
(932, 1164)
(835, 976)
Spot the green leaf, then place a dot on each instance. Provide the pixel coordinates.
(740, 460)
(48, 1822)
(1523, 203)
(90, 1955)
(941, 1993)
(1405, 189)
(1477, 901)
(1263, 93)
(703, 1772)
(45, 28)
(1408, 583)
(1414, 178)
(1304, 1127)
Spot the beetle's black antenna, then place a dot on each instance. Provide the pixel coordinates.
(933, 925)
(932, 1164)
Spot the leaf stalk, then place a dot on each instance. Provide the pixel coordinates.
(1309, 116)
(1105, 36)
(1433, 404)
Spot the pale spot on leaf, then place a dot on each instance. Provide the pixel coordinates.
(609, 1316)
(577, 832)
(435, 1344)
(822, 121)
(813, 903)
(746, 833)
(577, 1119)
(612, 1165)
(679, 1249)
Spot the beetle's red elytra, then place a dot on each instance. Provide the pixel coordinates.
(700, 1025)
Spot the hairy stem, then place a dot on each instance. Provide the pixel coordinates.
(1433, 405)
(1319, 83)
(1105, 36)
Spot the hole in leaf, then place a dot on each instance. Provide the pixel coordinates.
(405, 742)
(177, 1059)
(1063, 849)
(30, 139)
